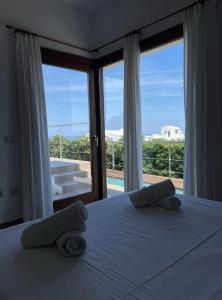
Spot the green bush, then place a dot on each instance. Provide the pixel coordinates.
(156, 159)
(155, 154)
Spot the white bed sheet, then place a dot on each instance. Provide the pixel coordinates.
(148, 253)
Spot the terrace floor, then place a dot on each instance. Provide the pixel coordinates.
(147, 178)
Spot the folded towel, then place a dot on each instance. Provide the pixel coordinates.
(151, 194)
(48, 230)
(169, 202)
(71, 243)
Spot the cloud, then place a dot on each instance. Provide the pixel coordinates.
(161, 93)
(151, 108)
(162, 78)
(56, 88)
(172, 82)
(162, 72)
(111, 83)
(170, 94)
(114, 99)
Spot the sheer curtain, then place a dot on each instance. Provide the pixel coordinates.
(203, 100)
(132, 114)
(36, 182)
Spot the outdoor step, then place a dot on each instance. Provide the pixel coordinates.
(60, 167)
(72, 186)
(72, 194)
(68, 176)
(87, 179)
(65, 187)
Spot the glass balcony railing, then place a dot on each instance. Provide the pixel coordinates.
(161, 159)
(71, 169)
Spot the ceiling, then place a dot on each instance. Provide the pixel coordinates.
(90, 5)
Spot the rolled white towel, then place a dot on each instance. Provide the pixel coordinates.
(48, 230)
(172, 203)
(71, 243)
(151, 194)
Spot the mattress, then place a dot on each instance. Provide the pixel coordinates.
(148, 253)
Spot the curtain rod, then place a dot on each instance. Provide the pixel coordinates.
(47, 38)
(148, 25)
(113, 41)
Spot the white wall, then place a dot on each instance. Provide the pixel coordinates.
(123, 16)
(10, 206)
(48, 17)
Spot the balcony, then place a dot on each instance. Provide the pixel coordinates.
(71, 170)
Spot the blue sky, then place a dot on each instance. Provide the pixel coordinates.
(66, 93)
(162, 93)
(162, 90)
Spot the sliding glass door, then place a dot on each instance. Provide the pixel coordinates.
(71, 132)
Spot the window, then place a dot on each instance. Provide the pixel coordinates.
(113, 78)
(73, 115)
(162, 98)
(162, 111)
(67, 103)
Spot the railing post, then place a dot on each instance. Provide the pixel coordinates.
(169, 160)
(113, 158)
(60, 142)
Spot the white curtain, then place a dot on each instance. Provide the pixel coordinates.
(132, 115)
(36, 182)
(203, 100)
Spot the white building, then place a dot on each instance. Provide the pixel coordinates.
(167, 132)
(172, 133)
(114, 135)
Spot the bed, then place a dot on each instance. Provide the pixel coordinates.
(148, 253)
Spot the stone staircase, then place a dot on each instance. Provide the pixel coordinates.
(68, 179)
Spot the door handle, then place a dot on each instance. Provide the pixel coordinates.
(96, 140)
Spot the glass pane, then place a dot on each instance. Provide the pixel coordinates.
(163, 123)
(67, 104)
(113, 77)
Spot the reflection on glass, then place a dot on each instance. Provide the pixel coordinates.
(67, 104)
(113, 77)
